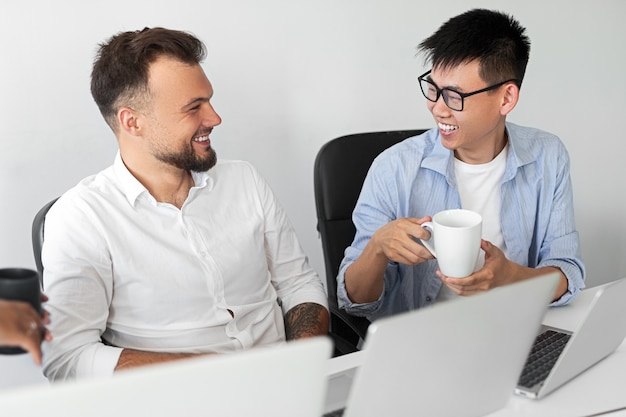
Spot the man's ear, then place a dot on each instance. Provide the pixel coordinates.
(129, 121)
(509, 98)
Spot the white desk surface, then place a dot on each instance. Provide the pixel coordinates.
(599, 389)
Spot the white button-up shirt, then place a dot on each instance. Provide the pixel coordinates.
(210, 277)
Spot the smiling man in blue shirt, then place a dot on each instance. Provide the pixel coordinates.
(516, 177)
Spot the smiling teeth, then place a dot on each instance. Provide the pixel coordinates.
(447, 128)
(201, 139)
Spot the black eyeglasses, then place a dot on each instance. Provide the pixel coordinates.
(453, 99)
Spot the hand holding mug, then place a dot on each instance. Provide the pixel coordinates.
(397, 241)
(455, 241)
(22, 319)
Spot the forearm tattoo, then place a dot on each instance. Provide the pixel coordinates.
(305, 320)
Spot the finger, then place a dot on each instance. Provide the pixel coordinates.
(47, 336)
(462, 286)
(34, 350)
(412, 254)
(416, 231)
(412, 226)
(46, 316)
(31, 341)
(420, 251)
(454, 288)
(486, 246)
(420, 220)
(407, 258)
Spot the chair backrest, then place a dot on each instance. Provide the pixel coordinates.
(37, 235)
(340, 169)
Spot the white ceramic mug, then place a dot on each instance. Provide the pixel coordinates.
(455, 241)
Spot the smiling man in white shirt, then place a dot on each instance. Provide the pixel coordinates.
(168, 253)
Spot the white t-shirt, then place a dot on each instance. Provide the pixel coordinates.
(148, 276)
(479, 188)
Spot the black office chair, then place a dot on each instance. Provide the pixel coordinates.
(340, 169)
(37, 235)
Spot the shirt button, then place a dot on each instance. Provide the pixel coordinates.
(428, 299)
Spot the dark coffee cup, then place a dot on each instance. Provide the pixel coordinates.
(19, 284)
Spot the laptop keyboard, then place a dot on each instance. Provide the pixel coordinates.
(542, 357)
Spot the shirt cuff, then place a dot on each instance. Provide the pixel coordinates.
(101, 361)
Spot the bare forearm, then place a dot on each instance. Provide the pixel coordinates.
(526, 272)
(561, 288)
(364, 278)
(306, 320)
(130, 358)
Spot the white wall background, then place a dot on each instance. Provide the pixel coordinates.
(290, 75)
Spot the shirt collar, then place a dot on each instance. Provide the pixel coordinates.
(132, 188)
(440, 158)
(519, 154)
(520, 145)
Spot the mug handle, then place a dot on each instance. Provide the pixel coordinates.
(427, 243)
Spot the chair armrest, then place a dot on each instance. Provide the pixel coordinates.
(348, 331)
(357, 324)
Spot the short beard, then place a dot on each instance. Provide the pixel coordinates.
(188, 160)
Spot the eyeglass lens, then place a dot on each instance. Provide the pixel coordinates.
(451, 98)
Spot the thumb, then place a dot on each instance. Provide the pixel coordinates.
(486, 246)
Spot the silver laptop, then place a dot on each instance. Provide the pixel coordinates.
(461, 357)
(601, 331)
(283, 380)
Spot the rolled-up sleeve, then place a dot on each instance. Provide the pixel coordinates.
(561, 248)
(375, 208)
(538, 211)
(295, 281)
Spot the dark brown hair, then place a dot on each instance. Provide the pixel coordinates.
(120, 71)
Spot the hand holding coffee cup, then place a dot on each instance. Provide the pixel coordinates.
(22, 324)
(455, 241)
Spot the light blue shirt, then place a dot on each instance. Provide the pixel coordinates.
(415, 178)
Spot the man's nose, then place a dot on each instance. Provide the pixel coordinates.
(210, 116)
